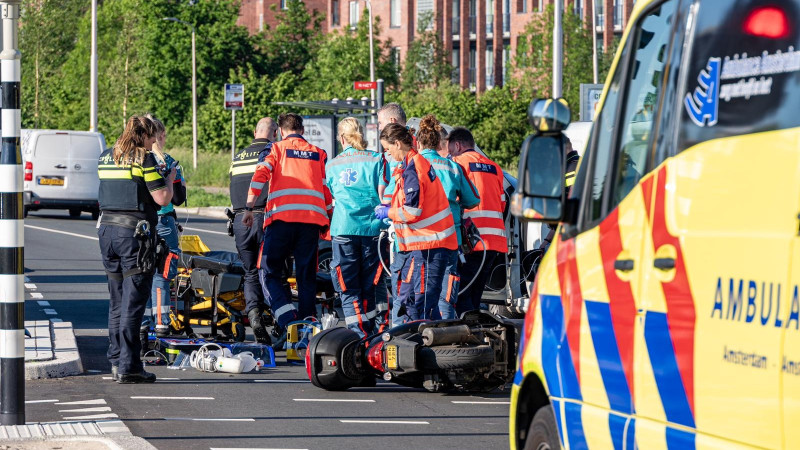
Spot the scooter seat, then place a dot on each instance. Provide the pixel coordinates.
(218, 261)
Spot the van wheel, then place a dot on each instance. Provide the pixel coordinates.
(543, 432)
(95, 214)
(74, 213)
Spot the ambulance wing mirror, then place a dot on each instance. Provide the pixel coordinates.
(541, 192)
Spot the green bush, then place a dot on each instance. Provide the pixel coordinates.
(197, 196)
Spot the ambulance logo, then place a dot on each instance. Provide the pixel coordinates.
(348, 177)
(703, 104)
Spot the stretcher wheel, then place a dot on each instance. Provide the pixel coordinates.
(451, 357)
(543, 432)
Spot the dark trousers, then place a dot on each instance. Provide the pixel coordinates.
(421, 284)
(280, 240)
(471, 298)
(354, 271)
(128, 297)
(248, 244)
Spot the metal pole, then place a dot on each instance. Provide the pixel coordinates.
(93, 70)
(379, 105)
(233, 133)
(558, 58)
(371, 51)
(194, 101)
(12, 238)
(594, 43)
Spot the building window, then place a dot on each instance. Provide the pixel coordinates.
(335, 15)
(489, 67)
(456, 23)
(472, 64)
(353, 14)
(396, 58)
(506, 16)
(283, 4)
(506, 56)
(395, 14)
(490, 16)
(578, 8)
(456, 66)
(473, 7)
(618, 13)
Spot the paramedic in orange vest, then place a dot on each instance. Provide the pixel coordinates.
(423, 223)
(298, 209)
(487, 177)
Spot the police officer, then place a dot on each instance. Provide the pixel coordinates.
(298, 210)
(461, 194)
(131, 192)
(487, 177)
(248, 238)
(353, 178)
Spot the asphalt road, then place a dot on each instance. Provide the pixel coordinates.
(275, 408)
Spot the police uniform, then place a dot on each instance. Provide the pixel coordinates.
(487, 177)
(125, 199)
(248, 239)
(425, 232)
(353, 178)
(461, 194)
(298, 209)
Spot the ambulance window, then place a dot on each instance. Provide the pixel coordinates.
(651, 40)
(743, 70)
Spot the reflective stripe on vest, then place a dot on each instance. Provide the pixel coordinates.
(296, 207)
(309, 192)
(473, 214)
(433, 237)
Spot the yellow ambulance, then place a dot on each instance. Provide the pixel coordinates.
(666, 312)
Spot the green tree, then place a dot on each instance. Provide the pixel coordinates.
(426, 63)
(294, 41)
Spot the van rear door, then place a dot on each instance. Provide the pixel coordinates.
(50, 165)
(83, 180)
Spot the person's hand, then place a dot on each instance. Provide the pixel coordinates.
(171, 176)
(247, 220)
(381, 212)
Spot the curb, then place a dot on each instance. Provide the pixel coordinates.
(66, 361)
(112, 433)
(217, 212)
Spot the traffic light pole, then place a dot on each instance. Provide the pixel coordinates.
(12, 289)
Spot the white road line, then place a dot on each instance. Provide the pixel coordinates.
(56, 319)
(50, 312)
(250, 448)
(36, 295)
(93, 416)
(27, 279)
(209, 419)
(94, 371)
(281, 381)
(42, 401)
(142, 397)
(205, 231)
(29, 285)
(99, 401)
(480, 403)
(106, 378)
(64, 232)
(167, 379)
(343, 400)
(43, 303)
(391, 422)
(80, 410)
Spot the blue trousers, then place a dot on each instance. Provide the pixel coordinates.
(421, 284)
(157, 311)
(302, 241)
(127, 297)
(383, 290)
(396, 267)
(450, 286)
(248, 243)
(355, 272)
(471, 298)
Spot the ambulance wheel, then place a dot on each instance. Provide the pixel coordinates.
(450, 357)
(74, 213)
(505, 311)
(543, 432)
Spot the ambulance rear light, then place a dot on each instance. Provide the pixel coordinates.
(28, 171)
(767, 21)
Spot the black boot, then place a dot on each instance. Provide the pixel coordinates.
(260, 332)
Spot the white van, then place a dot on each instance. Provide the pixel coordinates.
(61, 170)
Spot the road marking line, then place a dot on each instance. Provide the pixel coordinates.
(99, 401)
(249, 448)
(56, 319)
(167, 379)
(50, 312)
(41, 401)
(94, 371)
(36, 295)
(93, 416)
(209, 419)
(97, 409)
(205, 231)
(344, 400)
(43, 303)
(63, 232)
(142, 397)
(27, 279)
(281, 381)
(29, 285)
(480, 403)
(392, 422)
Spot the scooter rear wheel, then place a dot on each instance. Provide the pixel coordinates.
(449, 357)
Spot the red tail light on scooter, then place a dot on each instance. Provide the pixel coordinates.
(28, 171)
(308, 363)
(375, 356)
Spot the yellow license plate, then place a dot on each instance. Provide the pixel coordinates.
(47, 181)
(391, 356)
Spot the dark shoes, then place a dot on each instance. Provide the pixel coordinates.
(259, 330)
(135, 378)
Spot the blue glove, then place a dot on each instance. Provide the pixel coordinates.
(381, 212)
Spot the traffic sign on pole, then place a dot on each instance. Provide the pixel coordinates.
(365, 85)
(234, 96)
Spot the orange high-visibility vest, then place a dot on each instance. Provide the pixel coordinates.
(487, 177)
(295, 171)
(427, 223)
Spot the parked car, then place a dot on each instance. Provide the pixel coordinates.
(61, 170)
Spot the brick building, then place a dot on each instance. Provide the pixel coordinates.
(480, 35)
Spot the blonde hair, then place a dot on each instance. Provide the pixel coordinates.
(160, 129)
(130, 148)
(353, 133)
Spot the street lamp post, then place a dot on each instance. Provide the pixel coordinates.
(93, 72)
(194, 90)
(371, 51)
(558, 54)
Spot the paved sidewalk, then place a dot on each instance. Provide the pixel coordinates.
(51, 351)
(99, 435)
